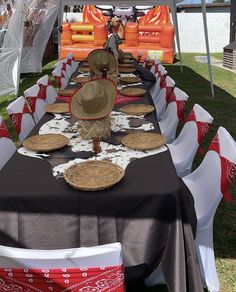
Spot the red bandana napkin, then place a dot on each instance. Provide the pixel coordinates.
(58, 280)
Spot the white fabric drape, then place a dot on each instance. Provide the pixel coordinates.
(36, 35)
(11, 51)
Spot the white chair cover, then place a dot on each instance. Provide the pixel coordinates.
(63, 65)
(61, 77)
(157, 87)
(21, 117)
(51, 94)
(103, 255)
(170, 121)
(73, 62)
(7, 147)
(160, 101)
(184, 148)
(36, 103)
(207, 197)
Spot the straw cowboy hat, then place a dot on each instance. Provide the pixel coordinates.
(94, 100)
(100, 59)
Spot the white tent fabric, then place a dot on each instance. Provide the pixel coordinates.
(11, 51)
(7, 84)
(37, 35)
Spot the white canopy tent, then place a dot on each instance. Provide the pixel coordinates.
(9, 79)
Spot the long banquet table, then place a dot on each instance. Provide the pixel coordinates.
(151, 212)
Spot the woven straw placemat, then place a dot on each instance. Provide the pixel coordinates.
(128, 61)
(122, 65)
(84, 69)
(80, 79)
(45, 142)
(133, 91)
(143, 141)
(137, 109)
(67, 92)
(57, 108)
(129, 80)
(93, 175)
(126, 70)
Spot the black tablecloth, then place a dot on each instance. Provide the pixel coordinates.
(151, 212)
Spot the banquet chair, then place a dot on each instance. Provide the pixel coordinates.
(160, 101)
(185, 146)
(160, 77)
(146, 62)
(174, 114)
(157, 67)
(63, 65)
(139, 57)
(218, 167)
(72, 62)
(47, 89)
(97, 268)
(7, 147)
(35, 101)
(21, 117)
(61, 77)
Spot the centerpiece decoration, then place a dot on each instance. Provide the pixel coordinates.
(92, 105)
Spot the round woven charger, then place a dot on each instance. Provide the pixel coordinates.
(137, 109)
(132, 91)
(80, 79)
(84, 69)
(143, 141)
(93, 175)
(126, 70)
(45, 142)
(57, 108)
(67, 92)
(129, 80)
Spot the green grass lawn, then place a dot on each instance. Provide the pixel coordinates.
(194, 81)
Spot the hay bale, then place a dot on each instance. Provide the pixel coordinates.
(100, 128)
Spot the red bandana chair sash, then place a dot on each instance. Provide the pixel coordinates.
(69, 61)
(180, 107)
(104, 279)
(3, 130)
(163, 81)
(202, 130)
(17, 118)
(146, 63)
(169, 89)
(228, 170)
(64, 66)
(58, 79)
(42, 93)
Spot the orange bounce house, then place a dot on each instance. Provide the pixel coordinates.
(154, 34)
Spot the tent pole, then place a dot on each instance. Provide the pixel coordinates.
(207, 46)
(174, 15)
(60, 20)
(21, 40)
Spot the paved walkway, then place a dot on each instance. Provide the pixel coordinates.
(214, 61)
